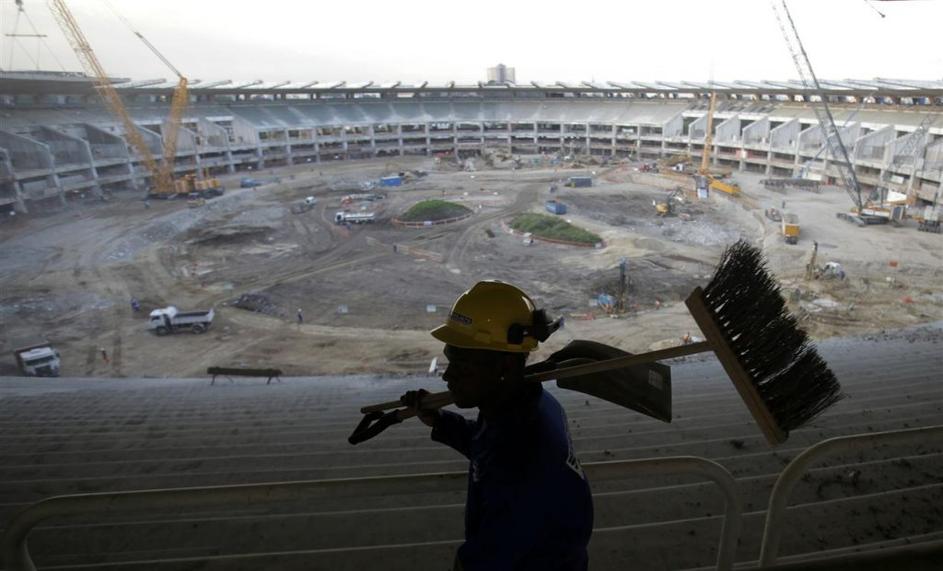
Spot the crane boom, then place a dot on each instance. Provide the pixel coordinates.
(823, 113)
(88, 59)
(708, 136)
(178, 105)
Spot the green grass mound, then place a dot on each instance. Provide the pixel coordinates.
(434, 210)
(553, 228)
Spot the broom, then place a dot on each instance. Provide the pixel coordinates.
(742, 314)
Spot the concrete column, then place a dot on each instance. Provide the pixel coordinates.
(289, 159)
(428, 139)
(86, 152)
(399, 139)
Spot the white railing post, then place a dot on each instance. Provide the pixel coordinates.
(730, 531)
(772, 531)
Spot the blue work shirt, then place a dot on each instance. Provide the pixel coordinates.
(529, 505)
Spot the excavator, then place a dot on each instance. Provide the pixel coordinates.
(162, 175)
(666, 207)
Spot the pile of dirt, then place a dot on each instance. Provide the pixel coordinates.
(228, 234)
(258, 303)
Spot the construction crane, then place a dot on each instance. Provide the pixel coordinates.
(178, 104)
(708, 137)
(913, 149)
(863, 213)
(704, 179)
(163, 176)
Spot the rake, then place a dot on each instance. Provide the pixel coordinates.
(742, 314)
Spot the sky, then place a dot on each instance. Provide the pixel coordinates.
(414, 40)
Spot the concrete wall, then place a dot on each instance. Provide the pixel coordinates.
(252, 135)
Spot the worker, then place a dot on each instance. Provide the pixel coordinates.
(301, 316)
(135, 305)
(529, 505)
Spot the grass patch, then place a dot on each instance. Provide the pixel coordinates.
(434, 210)
(553, 227)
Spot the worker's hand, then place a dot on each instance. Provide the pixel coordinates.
(413, 402)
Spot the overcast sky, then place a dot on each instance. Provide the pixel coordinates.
(413, 40)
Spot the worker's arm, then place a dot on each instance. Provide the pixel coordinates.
(454, 430)
(447, 427)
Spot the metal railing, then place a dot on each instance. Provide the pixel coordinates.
(775, 513)
(15, 553)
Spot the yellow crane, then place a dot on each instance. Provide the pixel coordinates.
(708, 137)
(163, 175)
(705, 179)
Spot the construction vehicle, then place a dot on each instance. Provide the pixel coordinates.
(37, 359)
(190, 184)
(305, 205)
(862, 213)
(579, 182)
(705, 180)
(667, 206)
(555, 207)
(344, 217)
(162, 175)
(171, 320)
(790, 228)
(928, 220)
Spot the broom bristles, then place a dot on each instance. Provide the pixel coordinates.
(793, 381)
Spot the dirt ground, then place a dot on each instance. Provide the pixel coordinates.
(369, 293)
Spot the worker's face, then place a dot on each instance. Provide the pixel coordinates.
(473, 375)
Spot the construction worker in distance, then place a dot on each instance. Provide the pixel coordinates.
(529, 505)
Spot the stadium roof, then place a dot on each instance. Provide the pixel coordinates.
(17, 82)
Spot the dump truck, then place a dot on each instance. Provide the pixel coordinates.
(554, 207)
(928, 220)
(169, 319)
(37, 359)
(790, 226)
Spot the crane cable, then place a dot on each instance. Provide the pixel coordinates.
(142, 38)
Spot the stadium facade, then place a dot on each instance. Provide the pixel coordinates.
(58, 143)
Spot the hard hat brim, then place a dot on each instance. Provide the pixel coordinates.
(449, 336)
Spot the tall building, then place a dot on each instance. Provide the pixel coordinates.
(501, 74)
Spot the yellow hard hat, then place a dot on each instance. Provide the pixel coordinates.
(492, 315)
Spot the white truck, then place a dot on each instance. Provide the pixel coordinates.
(37, 360)
(345, 217)
(171, 320)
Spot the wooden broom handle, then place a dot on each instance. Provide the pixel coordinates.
(439, 400)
